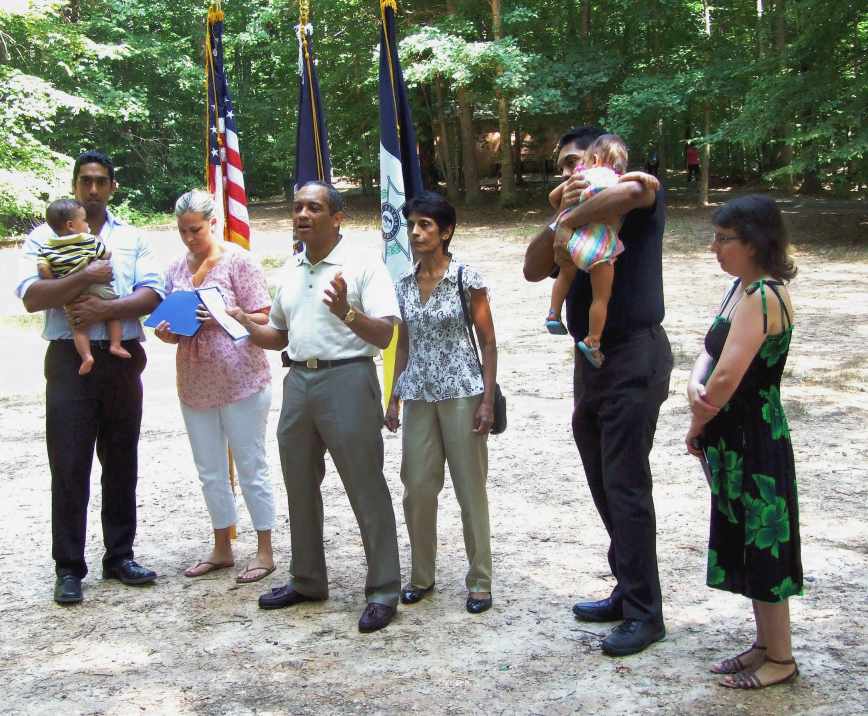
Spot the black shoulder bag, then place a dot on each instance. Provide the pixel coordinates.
(499, 401)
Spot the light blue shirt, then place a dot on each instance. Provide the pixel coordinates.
(132, 263)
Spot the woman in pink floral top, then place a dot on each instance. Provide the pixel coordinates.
(224, 386)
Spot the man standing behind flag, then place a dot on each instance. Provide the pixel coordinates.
(333, 309)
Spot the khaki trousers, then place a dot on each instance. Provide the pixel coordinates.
(338, 409)
(434, 433)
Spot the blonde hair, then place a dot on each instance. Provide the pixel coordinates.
(195, 201)
(609, 150)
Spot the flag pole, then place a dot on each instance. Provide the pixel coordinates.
(215, 14)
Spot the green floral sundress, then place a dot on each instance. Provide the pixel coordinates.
(753, 548)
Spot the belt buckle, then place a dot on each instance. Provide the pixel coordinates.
(311, 363)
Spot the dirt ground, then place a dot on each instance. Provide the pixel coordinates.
(203, 647)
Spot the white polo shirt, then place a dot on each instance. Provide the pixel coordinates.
(314, 331)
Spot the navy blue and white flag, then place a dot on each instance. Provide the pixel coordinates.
(400, 172)
(312, 161)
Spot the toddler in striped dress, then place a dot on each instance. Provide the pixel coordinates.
(73, 248)
(593, 247)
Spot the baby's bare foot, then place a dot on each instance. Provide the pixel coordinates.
(119, 352)
(86, 365)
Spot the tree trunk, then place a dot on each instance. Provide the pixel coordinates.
(450, 166)
(585, 32)
(472, 194)
(516, 157)
(705, 157)
(507, 175)
(759, 29)
(662, 155)
(367, 178)
(786, 152)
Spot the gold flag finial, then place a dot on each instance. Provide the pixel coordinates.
(215, 11)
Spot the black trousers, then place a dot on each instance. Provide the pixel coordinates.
(614, 419)
(101, 409)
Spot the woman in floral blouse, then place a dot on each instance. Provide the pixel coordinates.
(448, 401)
(224, 386)
(739, 430)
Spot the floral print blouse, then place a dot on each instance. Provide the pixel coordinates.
(441, 364)
(213, 370)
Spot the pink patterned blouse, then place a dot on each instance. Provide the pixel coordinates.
(213, 370)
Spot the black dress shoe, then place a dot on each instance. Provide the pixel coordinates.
(130, 573)
(477, 606)
(284, 596)
(606, 610)
(67, 589)
(411, 594)
(632, 636)
(376, 617)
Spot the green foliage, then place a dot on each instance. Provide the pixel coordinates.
(785, 90)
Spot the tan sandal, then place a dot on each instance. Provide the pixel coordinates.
(254, 574)
(735, 664)
(749, 680)
(197, 571)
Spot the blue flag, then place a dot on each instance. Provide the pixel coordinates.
(400, 172)
(312, 161)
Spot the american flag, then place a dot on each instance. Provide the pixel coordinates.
(225, 173)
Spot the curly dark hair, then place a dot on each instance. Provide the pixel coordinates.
(757, 221)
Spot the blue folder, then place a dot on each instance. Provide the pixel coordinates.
(179, 310)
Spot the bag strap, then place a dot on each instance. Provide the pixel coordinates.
(467, 324)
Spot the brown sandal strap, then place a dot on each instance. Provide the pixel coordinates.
(748, 681)
(785, 662)
(734, 664)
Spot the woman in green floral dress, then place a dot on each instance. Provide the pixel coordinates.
(739, 429)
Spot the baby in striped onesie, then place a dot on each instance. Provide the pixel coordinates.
(73, 248)
(593, 247)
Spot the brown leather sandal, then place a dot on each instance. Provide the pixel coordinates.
(749, 680)
(734, 664)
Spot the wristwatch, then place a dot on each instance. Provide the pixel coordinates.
(350, 315)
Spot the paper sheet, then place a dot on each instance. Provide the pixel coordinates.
(213, 301)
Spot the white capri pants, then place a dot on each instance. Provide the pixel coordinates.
(242, 425)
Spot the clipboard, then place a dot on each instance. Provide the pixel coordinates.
(179, 310)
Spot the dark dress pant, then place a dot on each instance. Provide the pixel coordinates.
(614, 419)
(104, 410)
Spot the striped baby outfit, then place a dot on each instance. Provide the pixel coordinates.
(64, 255)
(592, 244)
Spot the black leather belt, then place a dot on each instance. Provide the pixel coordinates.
(99, 344)
(319, 363)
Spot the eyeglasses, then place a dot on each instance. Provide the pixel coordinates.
(721, 239)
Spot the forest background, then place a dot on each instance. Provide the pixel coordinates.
(773, 91)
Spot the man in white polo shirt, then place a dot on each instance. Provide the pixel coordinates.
(335, 308)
